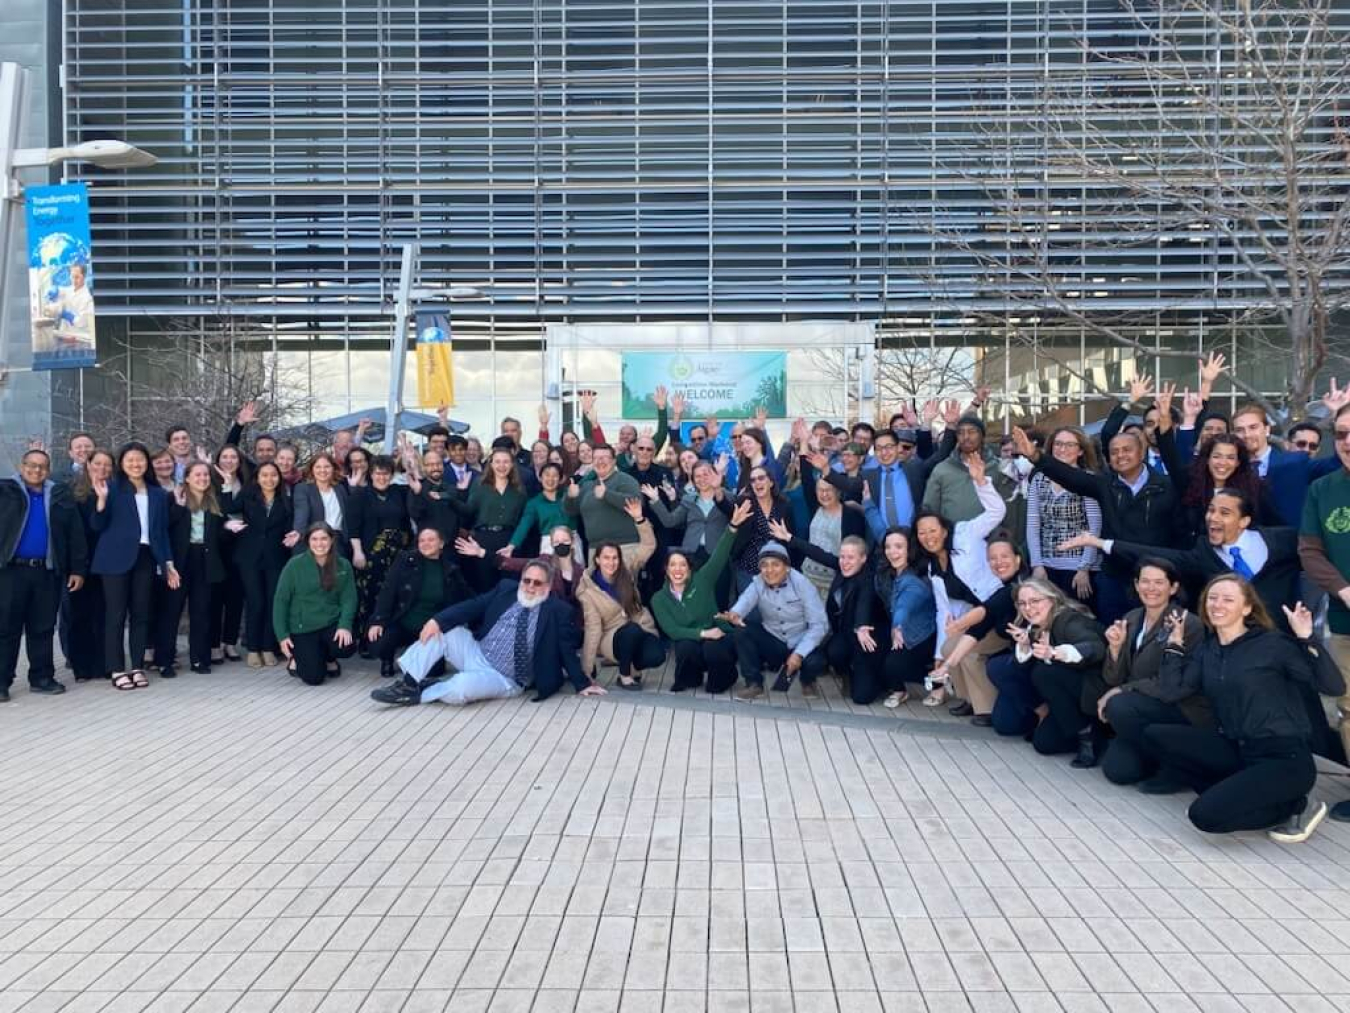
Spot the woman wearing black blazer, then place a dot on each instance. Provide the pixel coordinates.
(195, 526)
(323, 498)
(86, 605)
(131, 514)
(260, 552)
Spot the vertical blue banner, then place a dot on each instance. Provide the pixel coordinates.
(60, 276)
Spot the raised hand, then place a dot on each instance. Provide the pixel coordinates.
(469, 547)
(1140, 387)
(1164, 404)
(1115, 636)
(1041, 649)
(588, 405)
(1023, 444)
(929, 412)
(741, 513)
(443, 413)
(780, 531)
(1018, 634)
(1212, 369)
(1336, 398)
(599, 488)
(633, 507)
(819, 461)
(761, 416)
(1176, 627)
(907, 415)
(951, 412)
(247, 414)
(1300, 620)
(203, 454)
(975, 465)
(100, 487)
(651, 492)
(1192, 404)
(800, 432)
(544, 416)
(361, 428)
(723, 461)
(677, 403)
(660, 397)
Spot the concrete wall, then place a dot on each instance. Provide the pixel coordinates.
(26, 398)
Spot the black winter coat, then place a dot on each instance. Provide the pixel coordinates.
(399, 592)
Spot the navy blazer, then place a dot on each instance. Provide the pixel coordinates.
(119, 527)
(557, 638)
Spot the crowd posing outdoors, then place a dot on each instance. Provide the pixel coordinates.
(1146, 604)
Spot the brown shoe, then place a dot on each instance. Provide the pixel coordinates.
(810, 691)
(269, 659)
(750, 691)
(254, 659)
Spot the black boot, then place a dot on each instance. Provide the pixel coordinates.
(1087, 750)
(388, 669)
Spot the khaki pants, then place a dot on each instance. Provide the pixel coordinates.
(968, 677)
(1339, 645)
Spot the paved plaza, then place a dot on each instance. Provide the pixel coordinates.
(240, 841)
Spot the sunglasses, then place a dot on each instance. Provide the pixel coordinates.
(1342, 435)
(533, 582)
(1310, 444)
(698, 439)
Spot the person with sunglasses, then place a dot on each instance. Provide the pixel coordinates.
(514, 637)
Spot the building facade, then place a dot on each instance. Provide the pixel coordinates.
(589, 161)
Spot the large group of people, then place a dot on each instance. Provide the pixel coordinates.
(1147, 602)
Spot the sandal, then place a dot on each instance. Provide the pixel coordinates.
(936, 698)
(138, 678)
(123, 680)
(896, 699)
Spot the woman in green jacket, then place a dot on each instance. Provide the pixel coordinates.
(543, 512)
(684, 610)
(315, 608)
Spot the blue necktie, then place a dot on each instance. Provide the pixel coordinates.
(891, 511)
(1240, 566)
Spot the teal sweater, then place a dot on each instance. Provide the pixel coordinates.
(303, 606)
(686, 617)
(544, 514)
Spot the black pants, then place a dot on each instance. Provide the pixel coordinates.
(909, 664)
(30, 598)
(168, 604)
(84, 624)
(127, 599)
(202, 598)
(313, 651)
(757, 648)
(227, 609)
(260, 590)
(483, 574)
(634, 647)
(1249, 787)
(1062, 689)
(393, 639)
(863, 670)
(714, 658)
(1129, 713)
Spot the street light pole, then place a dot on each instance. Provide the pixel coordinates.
(398, 350)
(13, 86)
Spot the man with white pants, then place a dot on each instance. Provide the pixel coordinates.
(500, 643)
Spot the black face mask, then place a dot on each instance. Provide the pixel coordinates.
(563, 549)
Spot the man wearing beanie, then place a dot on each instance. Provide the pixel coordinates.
(789, 634)
(950, 491)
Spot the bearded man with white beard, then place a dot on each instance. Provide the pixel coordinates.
(512, 638)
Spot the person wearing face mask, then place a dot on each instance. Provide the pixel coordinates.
(512, 638)
(966, 659)
(1064, 647)
(685, 610)
(1133, 666)
(567, 566)
(1138, 505)
(1254, 770)
(422, 582)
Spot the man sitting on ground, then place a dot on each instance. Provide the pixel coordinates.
(499, 644)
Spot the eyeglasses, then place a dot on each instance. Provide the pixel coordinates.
(1342, 435)
(884, 446)
(645, 450)
(533, 582)
(697, 439)
(1066, 444)
(1023, 602)
(759, 478)
(1312, 444)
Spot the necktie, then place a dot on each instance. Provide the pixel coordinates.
(892, 511)
(1240, 566)
(522, 646)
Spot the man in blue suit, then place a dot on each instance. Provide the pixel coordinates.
(499, 644)
(1285, 474)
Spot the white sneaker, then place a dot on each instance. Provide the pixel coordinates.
(1299, 827)
(895, 700)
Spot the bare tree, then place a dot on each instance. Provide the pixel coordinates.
(1241, 170)
(908, 368)
(184, 376)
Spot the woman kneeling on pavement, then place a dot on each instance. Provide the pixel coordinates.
(315, 608)
(1254, 770)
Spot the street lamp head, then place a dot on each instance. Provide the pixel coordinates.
(110, 155)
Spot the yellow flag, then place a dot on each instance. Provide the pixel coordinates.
(435, 368)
